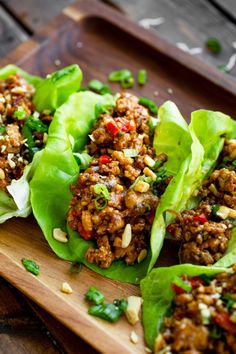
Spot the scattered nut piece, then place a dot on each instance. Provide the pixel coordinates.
(60, 235)
(148, 172)
(149, 161)
(2, 174)
(127, 236)
(159, 343)
(66, 288)
(134, 337)
(142, 255)
(141, 187)
(133, 308)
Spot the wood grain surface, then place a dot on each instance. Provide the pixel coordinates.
(100, 40)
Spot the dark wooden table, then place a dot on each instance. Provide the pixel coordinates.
(24, 327)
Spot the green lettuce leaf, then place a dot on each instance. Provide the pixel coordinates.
(158, 295)
(50, 93)
(50, 187)
(57, 87)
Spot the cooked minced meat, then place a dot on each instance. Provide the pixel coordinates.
(204, 231)
(203, 320)
(120, 221)
(21, 131)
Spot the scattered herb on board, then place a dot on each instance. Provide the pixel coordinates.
(108, 312)
(31, 266)
(151, 105)
(213, 45)
(142, 77)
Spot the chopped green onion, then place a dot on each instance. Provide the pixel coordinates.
(31, 266)
(158, 164)
(213, 45)
(130, 152)
(127, 83)
(30, 141)
(102, 190)
(214, 210)
(119, 75)
(151, 105)
(142, 77)
(2, 129)
(20, 113)
(35, 124)
(76, 267)
(98, 204)
(121, 134)
(152, 122)
(94, 295)
(234, 163)
(109, 312)
(223, 68)
(98, 87)
(206, 279)
(215, 332)
(228, 300)
(182, 284)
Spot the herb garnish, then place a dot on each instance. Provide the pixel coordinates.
(151, 105)
(142, 77)
(31, 266)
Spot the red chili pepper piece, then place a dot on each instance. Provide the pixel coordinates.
(113, 128)
(195, 281)
(177, 289)
(200, 218)
(104, 159)
(171, 228)
(87, 235)
(125, 126)
(223, 320)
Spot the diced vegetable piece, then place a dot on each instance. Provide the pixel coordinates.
(133, 309)
(98, 87)
(142, 77)
(127, 83)
(149, 173)
(112, 128)
(31, 266)
(94, 295)
(200, 218)
(104, 159)
(180, 286)
(130, 152)
(213, 45)
(151, 105)
(141, 187)
(223, 320)
(119, 75)
(149, 161)
(20, 113)
(109, 312)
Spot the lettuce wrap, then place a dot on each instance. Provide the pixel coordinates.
(58, 170)
(157, 294)
(208, 131)
(49, 94)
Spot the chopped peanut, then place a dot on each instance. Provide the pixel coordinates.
(133, 308)
(60, 235)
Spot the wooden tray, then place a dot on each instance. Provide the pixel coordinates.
(100, 40)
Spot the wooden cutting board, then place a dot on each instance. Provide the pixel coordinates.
(101, 40)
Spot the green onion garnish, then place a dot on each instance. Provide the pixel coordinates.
(100, 203)
(228, 300)
(2, 129)
(127, 83)
(35, 124)
(94, 295)
(98, 87)
(31, 266)
(103, 196)
(234, 163)
(214, 210)
(20, 113)
(151, 105)
(109, 312)
(213, 45)
(130, 152)
(119, 75)
(182, 284)
(142, 77)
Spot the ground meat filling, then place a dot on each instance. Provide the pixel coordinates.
(123, 162)
(202, 320)
(21, 134)
(204, 232)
